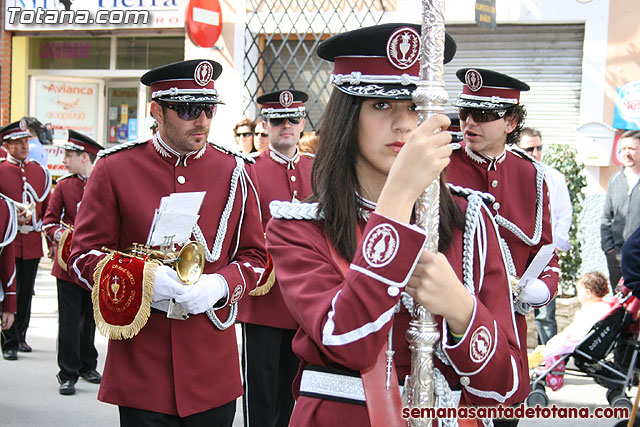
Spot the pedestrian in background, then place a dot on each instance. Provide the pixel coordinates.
(621, 212)
(561, 217)
(243, 132)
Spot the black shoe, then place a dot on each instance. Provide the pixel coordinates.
(92, 376)
(24, 347)
(67, 388)
(10, 354)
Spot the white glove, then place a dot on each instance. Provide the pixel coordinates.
(203, 294)
(166, 284)
(535, 293)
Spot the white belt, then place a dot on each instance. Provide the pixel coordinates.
(333, 386)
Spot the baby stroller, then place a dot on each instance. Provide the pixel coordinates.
(608, 354)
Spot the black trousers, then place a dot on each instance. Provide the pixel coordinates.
(221, 416)
(76, 331)
(614, 260)
(26, 270)
(269, 367)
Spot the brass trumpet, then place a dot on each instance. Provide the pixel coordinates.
(188, 262)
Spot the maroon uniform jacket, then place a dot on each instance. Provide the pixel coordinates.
(8, 228)
(279, 180)
(345, 321)
(63, 206)
(178, 367)
(24, 182)
(511, 179)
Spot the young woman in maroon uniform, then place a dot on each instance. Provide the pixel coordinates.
(350, 260)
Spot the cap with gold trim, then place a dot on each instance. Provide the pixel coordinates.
(184, 81)
(283, 103)
(81, 143)
(380, 61)
(488, 90)
(15, 130)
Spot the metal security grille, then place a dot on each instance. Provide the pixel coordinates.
(280, 41)
(546, 56)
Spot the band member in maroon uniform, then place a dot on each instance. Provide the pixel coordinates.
(269, 362)
(8, 231)
(491, 117)
(358, 258)
(27, 182)
(173, 355)
(77, 355)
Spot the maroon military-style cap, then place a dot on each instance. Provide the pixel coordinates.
(283, 103)
(378, 62)
(15, 130)
(184, 81)
(488, 90)
(81, 143)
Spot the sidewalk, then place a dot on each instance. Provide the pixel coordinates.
(29, 389)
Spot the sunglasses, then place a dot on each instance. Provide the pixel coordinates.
(481, 116)
(187, 111)
(280, 121)
(532, 149)
(262, 134)
(244, 134)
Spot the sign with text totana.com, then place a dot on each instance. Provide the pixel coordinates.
(55, 15)
(627, 110)
(68, 104)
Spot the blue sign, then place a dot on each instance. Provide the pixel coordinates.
(133, 129)
(627, 112)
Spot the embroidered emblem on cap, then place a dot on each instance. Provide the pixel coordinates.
(286, 99)
(473, 79)
(480, 344)
(23, 124)
(381, 245)
(236, 294)
(203, 73)
(403, 47)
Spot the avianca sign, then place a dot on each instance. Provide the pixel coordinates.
(71, 90)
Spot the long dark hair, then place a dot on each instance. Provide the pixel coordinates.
(335, 182)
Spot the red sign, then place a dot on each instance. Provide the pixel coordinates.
(204, 22)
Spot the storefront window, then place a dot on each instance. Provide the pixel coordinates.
(143, 53)
(69, 53)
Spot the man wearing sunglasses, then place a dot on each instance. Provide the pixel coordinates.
(166, 367)
(491, 117)
(268, 328)
(244, 131)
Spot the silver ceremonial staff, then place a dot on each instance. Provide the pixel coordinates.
(430, 97)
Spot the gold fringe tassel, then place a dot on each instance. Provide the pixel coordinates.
(264, 289)
(117, 332)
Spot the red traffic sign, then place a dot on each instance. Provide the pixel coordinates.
(204, 22)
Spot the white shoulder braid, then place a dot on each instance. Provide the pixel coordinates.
(467, 192)
(126, 145)
(226, 150)
(294, 210)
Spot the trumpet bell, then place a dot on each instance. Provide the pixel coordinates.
(190, 264)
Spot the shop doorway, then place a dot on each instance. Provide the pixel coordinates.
(122, 111)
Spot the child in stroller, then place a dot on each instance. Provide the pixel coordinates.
(601, 340)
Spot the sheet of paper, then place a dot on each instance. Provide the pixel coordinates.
(172, 223)
(176, 216)
(537, 265)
